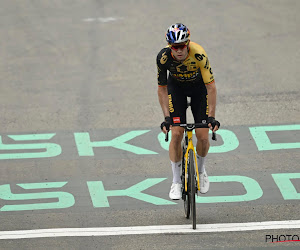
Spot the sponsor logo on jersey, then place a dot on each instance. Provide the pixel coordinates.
(199, 57)
(176, 119)
(207, 108)
(207, 64)
(181, 68)
(171, 107)
(164, 58)
(187, 76)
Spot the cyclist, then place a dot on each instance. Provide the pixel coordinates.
(190, 75)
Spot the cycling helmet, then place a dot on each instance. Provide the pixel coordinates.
(177, 33)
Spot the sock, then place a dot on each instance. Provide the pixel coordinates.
(176, 168)
(200, 161)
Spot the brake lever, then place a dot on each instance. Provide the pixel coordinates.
(167, 136)
(214, 137)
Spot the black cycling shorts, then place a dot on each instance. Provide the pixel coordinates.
(178, 101)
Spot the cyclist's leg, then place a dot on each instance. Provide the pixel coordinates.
(175, 150)
(177, 107)
(202, 141)
(202, 147)
(199, 107)
(200, 112)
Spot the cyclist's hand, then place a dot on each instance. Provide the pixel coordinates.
(165, 125)
(213, 124)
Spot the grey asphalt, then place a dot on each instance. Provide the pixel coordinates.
(89, 67)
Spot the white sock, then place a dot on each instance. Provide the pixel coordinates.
(176, 168)
(201, 161)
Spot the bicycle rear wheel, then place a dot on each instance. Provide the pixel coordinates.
(192, 184)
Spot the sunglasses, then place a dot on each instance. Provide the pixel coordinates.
(178, 46)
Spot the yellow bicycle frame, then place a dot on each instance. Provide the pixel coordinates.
(190, 146)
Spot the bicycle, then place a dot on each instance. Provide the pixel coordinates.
(190, 174)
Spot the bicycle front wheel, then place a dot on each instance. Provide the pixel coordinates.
(185, 195)
(192, 186)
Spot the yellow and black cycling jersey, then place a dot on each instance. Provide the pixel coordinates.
(195, 68)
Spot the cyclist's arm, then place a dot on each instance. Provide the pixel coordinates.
(208, 79)
(162, 90)
(211, 98)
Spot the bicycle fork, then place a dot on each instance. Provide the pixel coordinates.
(190, 146)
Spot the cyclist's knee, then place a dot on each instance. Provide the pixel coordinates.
(203, 141)
(202, 138)
(177, 134)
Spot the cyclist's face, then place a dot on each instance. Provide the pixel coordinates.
(179, 51)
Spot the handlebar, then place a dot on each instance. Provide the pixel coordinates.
(190, 127)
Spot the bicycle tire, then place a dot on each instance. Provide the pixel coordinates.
(185, 195)
(187, 206)
(192, 184)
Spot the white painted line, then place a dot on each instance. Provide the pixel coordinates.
(166, 229)
(102, 19)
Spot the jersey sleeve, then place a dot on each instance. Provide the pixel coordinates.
(205, 68)
(162, 72)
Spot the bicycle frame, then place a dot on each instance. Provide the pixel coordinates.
(189, 132)
(190, 146)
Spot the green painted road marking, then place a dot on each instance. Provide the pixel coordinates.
(85, 146)
(52, 149)
(99, 194)
(230, 140)
(285, 185)
(65, 199)
(263, 142)
(253, 190)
